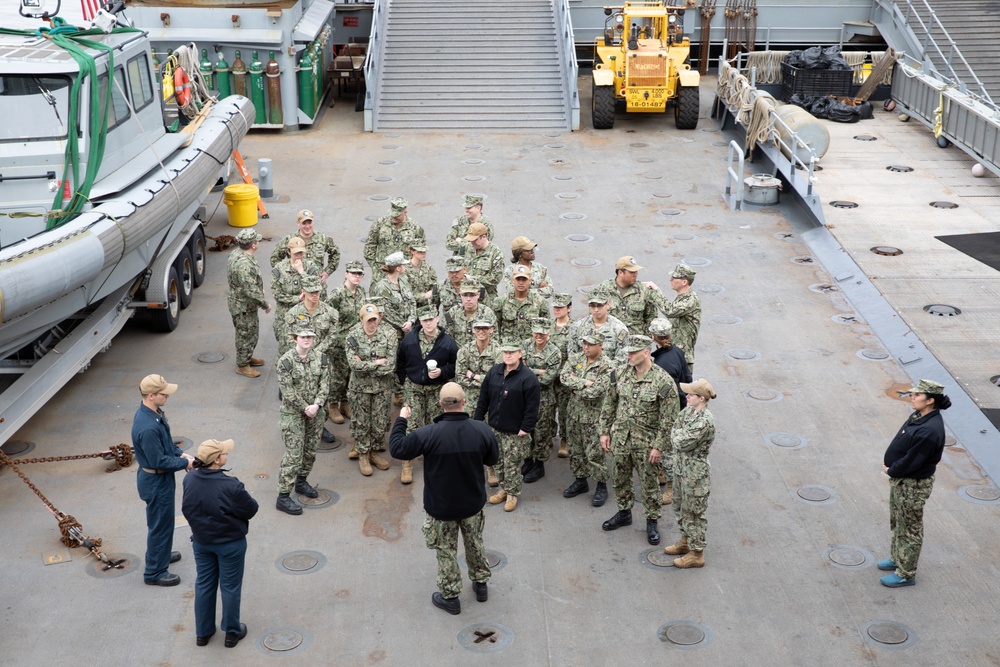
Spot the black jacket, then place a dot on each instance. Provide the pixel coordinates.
(411, 363)
(673, 362)
(455, 449)
(916, 449)
(511, 401)
(216, 506)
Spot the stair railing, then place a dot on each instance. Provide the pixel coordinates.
(373, 61)
(571, 69)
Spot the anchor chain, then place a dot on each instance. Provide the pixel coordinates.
(121, 454)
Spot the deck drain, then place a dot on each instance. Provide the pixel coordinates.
(846, 318)
(685, 635)
(785, 440)
(388, 163)
(585, 261)
(645, 160)
(553, 135)
(494, 559)
(682, 236)
(980, 493)
(873, 355)
(183, 443)
(865, 137)
(995, 380)
(887, 250)
(662, 195)
(384, 179)
(814, 493)
(765, 395)
(286, 640)
(899, 168)
(473, 179)
(944, 204)
(391, 147)
(485, 637)
(950, 441)
(655, 558)
(840, 203)
(586, 289)
(888, 633)
(580, 238)
(720, 144)
(741, 354)
(696, 261)
(822, 288)
(324, 499)
(653, 177)
(802, 259)
(711, 288)
(669, 211)
(725, 318)
(300, 562)
(15, 447)
(118, 566)
(709, 129)
(330, 446)
(555, 145)
(210, 357)
(848, 556)
(562, 178)
(638, 145)
(378, 197)
(786, 236)
(473, 161)
(473, 147)
(942, 310)
(393, 135)
(573, 216)
(568, 195)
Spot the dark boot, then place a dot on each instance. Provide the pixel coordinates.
(287, 505)
(453, 606)
(527, 465)
(327, 436)
(482, 591)
(621, 518)
(305, 488)
(233, 638)
(536, 473)
(600, 495)
(652, 532)
(576, 488)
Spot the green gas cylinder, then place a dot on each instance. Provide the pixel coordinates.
(239, 76)
(205, 67)
(222, 77)
(273, 72)
(307, 91)
(257, 89)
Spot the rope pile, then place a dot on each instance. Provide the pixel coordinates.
(752, 111)
(186, 56)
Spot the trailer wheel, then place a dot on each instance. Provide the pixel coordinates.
(165, 320)
(687, 108)
(184, 265)
(603, 107)
(199, 256)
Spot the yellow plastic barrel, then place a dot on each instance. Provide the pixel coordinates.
(242, 202)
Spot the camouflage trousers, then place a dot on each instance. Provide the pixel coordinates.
(562, 405)
(623, 461)
(340, 372)
(692, 485)
(301, 436)
(513, 450)
(370, 421)
(906, 520)
(423, 402)
(442, 536)
(586, 456)
(667, 462)
(545, 428)
(247, 327)
(281, 333)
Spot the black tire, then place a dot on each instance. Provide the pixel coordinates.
(687, 108)
(199, 256)
(603, 107)
(165, 320)
(184, 265)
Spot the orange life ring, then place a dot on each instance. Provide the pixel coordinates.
(182, 86)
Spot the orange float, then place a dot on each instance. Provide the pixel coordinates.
(182, 86)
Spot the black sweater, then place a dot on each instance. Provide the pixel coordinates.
(916, 449)
(216, 506)
(411, 363)
(511, 401)
(673, 362)
(455, 449)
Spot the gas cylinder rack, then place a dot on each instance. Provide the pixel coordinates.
(275, 55)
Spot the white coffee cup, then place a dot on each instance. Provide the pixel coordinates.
(431, 364)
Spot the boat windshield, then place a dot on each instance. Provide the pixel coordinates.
(33, 108)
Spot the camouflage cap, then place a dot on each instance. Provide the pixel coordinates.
(427, 313)
(521, 272)
(248, 236)
(296, 245)
(355, 266)
(927, 387)
(476, 230)
(522, 243)
(395, 259)
(628, 263)
(397, 206)
(473, 200)
(661, 326)
(542, 325)
(509, 346)
(562, 300)
(683, 271)
(470, 286)
(311, 283)
(483, 324)
(303, 328)
(593, 339)
(598, 296)
(637, 343)
(418, 246)
(304, 215)
(368, 311)
(455, 263)
(700, 387)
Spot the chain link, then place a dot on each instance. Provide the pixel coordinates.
(120, 454)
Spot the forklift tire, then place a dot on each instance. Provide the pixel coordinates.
(687, 108)
(603, 107)
(165, 320)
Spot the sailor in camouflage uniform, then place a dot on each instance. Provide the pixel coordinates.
(286, 285)
(632, 302)
(670, 358)
(245, 298)
(321, 249)
(598, 322)
(394, 232)
(304, 379)
(347, 300)
(448, 291)
(475, 359)
(545, 360)
(459, 320)
(399, 307)
(562, 323)
(635, 422)
(460, 226)
(516, 311)
(371, 354)
(483, 259)
(691, 437)
(422, 278)
(587, 376)
(523, 254)
(684, 312)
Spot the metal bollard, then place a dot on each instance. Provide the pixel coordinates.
(265, 180)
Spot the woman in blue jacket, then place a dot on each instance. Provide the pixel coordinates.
(218, 509)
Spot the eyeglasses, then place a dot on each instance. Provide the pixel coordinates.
(357, 273)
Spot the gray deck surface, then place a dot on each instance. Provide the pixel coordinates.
(569, 593)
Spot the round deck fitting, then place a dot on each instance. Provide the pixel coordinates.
(555, 146)
(944, 204)
(378, 197)
(330, 446)
(550, 135)
(388, 163)
(210, 357)
(841, 203)
(742, 354)
(485, 637)
(873, 355)
(568, 195)
(669, 211)
(865, 137)
(886, 250)
(474, 160)
(983, 494)
(573, 216)
(391, 147)
(184, 443)
(384, 179)
(802, 260)
(558, 161)
(899, 168)
(655, 558)
(682, 236)
(696, 261)
(16, 447)
(942, 310)
(563, 177)
(725, 318)
(284, 640)
(326, 498)
(950, 441)
(848, 556)
(765, 395)
(585, 261)
(846, 318)
(685, 635)
(586, 289)
(662, 195)
(653, 177)
(473, 147)
(393, 135)
(888, 634)
(709, 129)
(785, 440)
(638, 145)
(580, 238)
(473, 179)
(814, 493)
(645, 160)
(121, 564)
(822, 288)
(711, 288)
(300, 562)
(495, 559)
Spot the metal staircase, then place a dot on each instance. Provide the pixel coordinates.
(973, 26)
(473, 64)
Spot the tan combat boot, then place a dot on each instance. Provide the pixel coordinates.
(407, 475)
(246, 371)
(662, 477)
(677, 548)
(378, 461)
(256, 361)
(491, 478)
(511, 504)
(498, 497)
(691, 559)
(364, 464)
(335, 415)
(397, 400)
(353, 454)
(668, 494)
(563, 449)
(345, 410)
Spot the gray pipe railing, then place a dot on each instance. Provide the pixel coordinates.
(373, 61)
(564, 24)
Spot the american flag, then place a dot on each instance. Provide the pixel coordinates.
(90, 9)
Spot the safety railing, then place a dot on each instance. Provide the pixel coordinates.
(564, 24)
(373, 61)
(735, 200)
